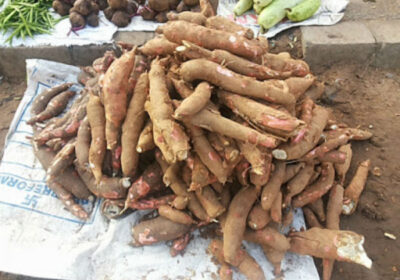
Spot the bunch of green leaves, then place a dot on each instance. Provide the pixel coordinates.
(26, 18)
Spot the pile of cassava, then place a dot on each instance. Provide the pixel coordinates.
(206, 127)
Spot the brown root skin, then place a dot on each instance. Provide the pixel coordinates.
(276, 209)
(275, 257)
(41, 101)
(195, 102)
(336, 157)
(179, 245)
(233, 62)
(242, 260)
(200, 175)
(258, 217)
(342, 168)
(115, 92)
(318, 208)
(265, 117)
(268, 236)
(196, 18)
(175, 215)
(299, 85)
(206, 8)
(292, 170)
(157, 230)
(212, 121)
(172, 180)
(330, 244)
(327, 146)
(308, 142)
(149, 182)
(355, 188)
(334, 209)
(257, 157)
(97, 121)
(102, 64)
(68, 200)
(62, 160)
(158, 46)
(318, 189)
(161, 116)
(283, 62)
(225, 24)
(56, 105)
(298, 183)
(152, 203)
(69, 178)
(112, 188)
(182, 88)
(132, 127)
(272, 188)
(235, 224)
(210, 38)
(118, 4)
(61, 7)
(146, 141)
(180, 202)
(311, 218)
(225, 272)
(206, 153)
(274, 91)
(209, 200)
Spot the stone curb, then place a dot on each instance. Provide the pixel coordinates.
(375, 42)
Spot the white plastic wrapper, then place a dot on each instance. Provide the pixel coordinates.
(330, 12)
(38, 237)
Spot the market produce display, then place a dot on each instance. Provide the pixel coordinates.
(204, 126)
(25, 18)
(272, 12)
(196, 11)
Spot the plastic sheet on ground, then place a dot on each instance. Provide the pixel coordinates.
(331, 12)
(38, 237)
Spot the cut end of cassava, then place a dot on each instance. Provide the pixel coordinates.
(139, 150)
(180, 48)
(182, 155)
(279, 154)
(126, 182)
(350, 247)
(348, 208)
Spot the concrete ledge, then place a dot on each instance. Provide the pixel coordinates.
(345, 41)
(387, 36)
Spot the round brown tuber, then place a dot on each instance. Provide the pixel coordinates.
(141, 2)
(182, 7)
(120, 19)
(132, 7)
(61, 7)
(76, 20)
(161, 17)
(95, 8)
(118, 4)
(159, 6)
(173, 4)
(147, 13)
(103, 4)
(93, 20)
(191, 2)
(83, 7)
(108, 13)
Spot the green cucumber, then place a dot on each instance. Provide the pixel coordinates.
(304, 10)
(275, 12)
(242, 6)
(259, 5)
